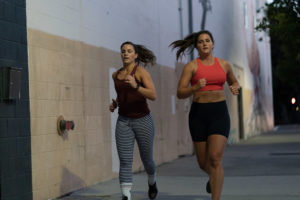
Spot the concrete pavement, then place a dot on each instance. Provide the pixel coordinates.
(264, 167)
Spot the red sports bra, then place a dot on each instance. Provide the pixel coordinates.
(214, 74)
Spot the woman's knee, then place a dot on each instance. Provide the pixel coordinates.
(149, 164)
(202, 163)
(215, 160)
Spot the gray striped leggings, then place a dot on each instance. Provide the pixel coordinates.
(128, 129)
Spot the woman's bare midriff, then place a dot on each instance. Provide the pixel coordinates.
(209, 96)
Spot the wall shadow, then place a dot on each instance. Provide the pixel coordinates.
(70, 182)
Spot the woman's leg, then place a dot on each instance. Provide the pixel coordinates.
(125, 145)
(144, 134)
(198, 131)
(215, 150)
(201, 154)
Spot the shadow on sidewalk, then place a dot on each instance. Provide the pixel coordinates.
(177, 197)
(161, 196)
(168, 196)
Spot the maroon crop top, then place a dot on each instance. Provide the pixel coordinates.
(214, 74)
(131, 103)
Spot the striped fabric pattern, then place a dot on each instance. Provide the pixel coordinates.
(128, 130)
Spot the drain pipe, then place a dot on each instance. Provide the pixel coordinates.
(180, 18)
(191, 24)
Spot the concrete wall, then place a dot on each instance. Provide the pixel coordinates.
(73, 48)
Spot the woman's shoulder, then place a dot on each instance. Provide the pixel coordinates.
(192, 65)
(115, 73)
(221, 60)
(141, 70)
(224, 63)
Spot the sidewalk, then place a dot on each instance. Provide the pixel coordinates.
(264, 167)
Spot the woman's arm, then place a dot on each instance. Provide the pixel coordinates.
(113, 105)
(148, 89)
(183, 89)
(231, 80)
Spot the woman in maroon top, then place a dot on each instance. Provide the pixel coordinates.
(134, 85)
(209, 121)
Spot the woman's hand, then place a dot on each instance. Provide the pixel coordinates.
(131, 80)
(200, 84)
(235, 89)
(113, 105)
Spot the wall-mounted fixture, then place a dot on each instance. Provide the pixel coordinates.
(10, 83)
(63, 126)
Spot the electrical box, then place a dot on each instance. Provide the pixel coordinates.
(10, 83)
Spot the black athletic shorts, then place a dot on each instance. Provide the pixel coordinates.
(206, 119)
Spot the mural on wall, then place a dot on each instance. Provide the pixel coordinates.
(257, 119)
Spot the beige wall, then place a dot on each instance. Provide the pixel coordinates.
(71, 78)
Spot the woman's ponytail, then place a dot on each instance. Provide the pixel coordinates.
(187, 44)
(145, 55)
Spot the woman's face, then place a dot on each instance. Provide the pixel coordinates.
(128, 54)
(204, 44)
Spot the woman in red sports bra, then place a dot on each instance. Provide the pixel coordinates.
(209, 121)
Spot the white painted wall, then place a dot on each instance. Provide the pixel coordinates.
(108, 23)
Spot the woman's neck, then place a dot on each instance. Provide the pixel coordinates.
(206, 57)
(129, 66)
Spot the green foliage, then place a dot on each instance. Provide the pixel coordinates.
(282, 22)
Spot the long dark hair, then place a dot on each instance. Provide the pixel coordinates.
(188, 43)
(145, 55)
